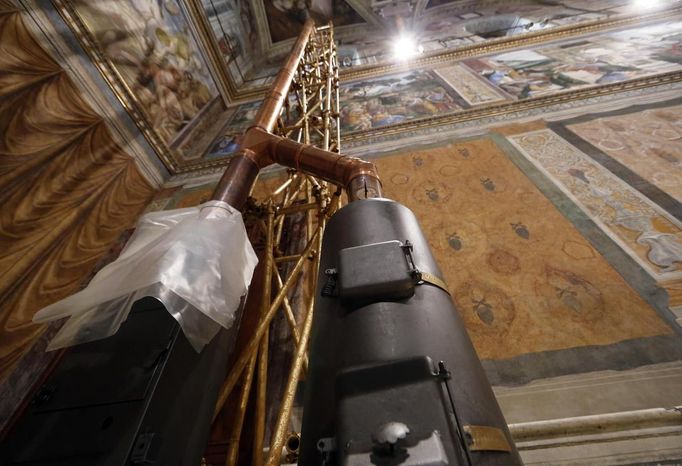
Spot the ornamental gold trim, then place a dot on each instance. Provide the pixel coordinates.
(237, 94)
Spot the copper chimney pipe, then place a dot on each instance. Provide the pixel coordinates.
(260, 148)
(279, 90)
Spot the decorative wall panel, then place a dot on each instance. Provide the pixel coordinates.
(473, 90)
(649, 143)
(648, 233)
(226, 142)
(610, 57)
(151, 48)
(524, 283)
(286, 18)
(395, 99)
(567, 74)
(67, 190)
(146, 52)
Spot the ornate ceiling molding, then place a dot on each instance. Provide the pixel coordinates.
(234, 93)
(488, 47)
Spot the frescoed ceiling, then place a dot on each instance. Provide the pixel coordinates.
(191, 72)
(367, 29)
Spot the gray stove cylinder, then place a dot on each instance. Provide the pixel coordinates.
(393, 376)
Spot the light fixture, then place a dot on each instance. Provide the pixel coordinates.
(406, 47)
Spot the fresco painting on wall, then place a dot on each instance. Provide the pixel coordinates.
(228, 141)
(550, 13)
(649, 143)
(520, 74)
(471, 89)
(233, 26)
(150, 46)
(650, 235)
(286, 17)
(226, 145)
(608, 58)
(362, 50)
(225, 17)
(394, 99)
(248, 22)
(596, 5)
(523, 283)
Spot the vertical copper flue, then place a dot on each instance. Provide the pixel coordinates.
(279, 90)
(260, 148)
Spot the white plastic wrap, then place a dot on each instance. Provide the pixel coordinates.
(197, 261)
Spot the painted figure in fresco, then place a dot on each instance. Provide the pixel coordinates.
(149, 43)
(598, 60)
(228, 141)
(665, 249)
(394, 99)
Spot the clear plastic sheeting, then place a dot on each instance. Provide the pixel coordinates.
(197, 261)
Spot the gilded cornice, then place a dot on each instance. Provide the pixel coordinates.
(239, 94)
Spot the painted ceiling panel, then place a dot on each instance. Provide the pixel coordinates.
(286, 17)
(191, 72)
(159, 61)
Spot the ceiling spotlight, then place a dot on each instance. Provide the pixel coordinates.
(405, 47)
